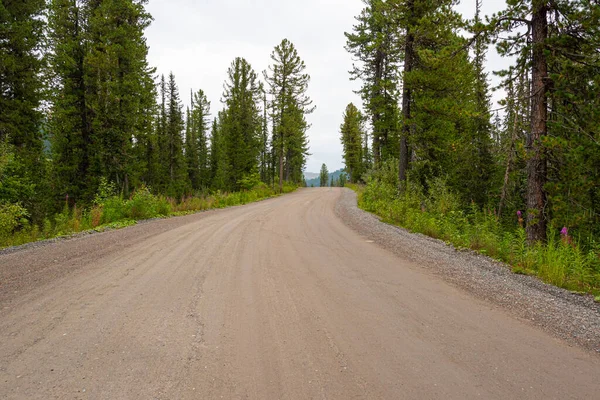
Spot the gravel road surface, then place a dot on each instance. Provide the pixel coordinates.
(298, 297)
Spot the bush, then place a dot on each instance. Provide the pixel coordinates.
(250, 181)
(113, 209)
(12, 217)
(438, 214)
(145, 205)
(110, 210)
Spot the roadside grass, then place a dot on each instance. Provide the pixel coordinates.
(115, 212)
(562, 261)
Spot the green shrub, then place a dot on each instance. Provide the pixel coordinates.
(250, 181)
(144, 205)
(12, 217)
(113, 209)
(439, 214)
(109, 210)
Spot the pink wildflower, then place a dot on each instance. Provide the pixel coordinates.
(520, 215)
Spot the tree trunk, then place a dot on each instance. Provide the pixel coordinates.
(406, 101)
(511, 149)
(536, 161)
(379, 59)
(281, 166)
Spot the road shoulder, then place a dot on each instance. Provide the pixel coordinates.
(567, 316)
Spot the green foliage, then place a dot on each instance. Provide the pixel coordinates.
(374, 43)
(196, 143)
(439, 214)
(287, 84)
(14, 184)
(323, 176)
(106, 190)
(12, 217)
(250, 181)
(102, 96)
(21, 37)
(145, 205)
(178, 183)
(109, 142)
(240, 124)
(342, 181)
(21, 95)
(111, 211)
(352, 131)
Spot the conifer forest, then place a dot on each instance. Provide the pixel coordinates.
(519, 181)
(91, 135)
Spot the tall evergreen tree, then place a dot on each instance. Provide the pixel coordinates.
(265, 156)
(191, 151)
(288, 85)
(241, 122)
(557, 36)
(162, 142)
(175, 161)
(117, 82)
(21, 37)
(196, 147)
(352, 142)
(103, 96)
(323, 176)
(218, 156)
(375, 44)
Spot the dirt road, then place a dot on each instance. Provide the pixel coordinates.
(274, 300)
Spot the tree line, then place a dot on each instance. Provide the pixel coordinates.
(81, 107)
(428, 114)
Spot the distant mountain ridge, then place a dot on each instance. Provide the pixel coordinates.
(316, 181)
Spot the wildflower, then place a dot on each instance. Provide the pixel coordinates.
(520, 216)
(566, 239)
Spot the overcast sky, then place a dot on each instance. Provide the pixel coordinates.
(198, 39)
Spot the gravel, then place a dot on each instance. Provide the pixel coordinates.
(563, 314)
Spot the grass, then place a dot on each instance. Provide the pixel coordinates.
(115, 212)
(561, 261)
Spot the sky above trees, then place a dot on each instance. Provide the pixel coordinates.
(197, 40)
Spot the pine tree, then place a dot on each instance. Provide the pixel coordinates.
(323, 176)
(352, 137)
(175, 161)
(196, 143)
(265, 156)
(117, 82)
(440, 103)
(200, 123)
(547, 43)
(479, 142)
(21, 38)
(573, 92)
(241, 122)
(288, 84)
(342, 180)
(410, 61)
(163, 172)
(297, 145)
(511, 139)
(374, 43)
(191, 152)
(68, 122)
(218, 156)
